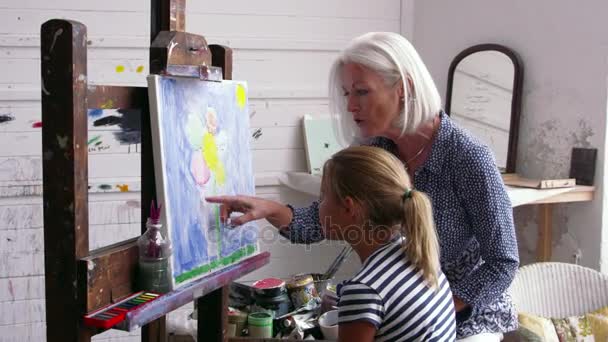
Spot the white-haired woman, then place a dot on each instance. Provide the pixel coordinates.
(382, 95)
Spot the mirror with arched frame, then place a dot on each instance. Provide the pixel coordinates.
(484, 97)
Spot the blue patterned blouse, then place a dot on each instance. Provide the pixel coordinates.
(474, 221)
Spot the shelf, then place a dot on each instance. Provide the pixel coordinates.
(186, 294)
(302, 182)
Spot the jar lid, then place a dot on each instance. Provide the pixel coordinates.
(237, 316)
(260, 318)
(269, 283)
(300, 280)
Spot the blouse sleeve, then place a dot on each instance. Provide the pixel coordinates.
(305, 226)
(488, 207)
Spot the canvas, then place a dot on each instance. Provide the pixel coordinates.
(321, 142)
(200, 134)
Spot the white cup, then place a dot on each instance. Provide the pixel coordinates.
(328, 322)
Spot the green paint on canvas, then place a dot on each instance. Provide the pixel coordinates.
(232, 258)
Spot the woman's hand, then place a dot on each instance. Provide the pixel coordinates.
(252, 208)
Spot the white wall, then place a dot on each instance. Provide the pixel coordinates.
(564, 49)
(283, 49)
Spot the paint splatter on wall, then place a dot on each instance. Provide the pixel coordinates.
(6, 118)
(105, 187)
(128, 120)
(123, 187)
(109, 104)
(257, 134)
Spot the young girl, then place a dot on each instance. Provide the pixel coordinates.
(400, 293)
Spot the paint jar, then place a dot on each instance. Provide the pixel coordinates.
(329, 300)
(236, 323)
(154, 272)
(269, 287)
(277, 306)
(321, 284)
(301, 290)
(260, 324)
(270, 295)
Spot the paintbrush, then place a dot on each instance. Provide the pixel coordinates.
(333, 268)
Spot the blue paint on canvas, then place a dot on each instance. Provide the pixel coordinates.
(204, 130)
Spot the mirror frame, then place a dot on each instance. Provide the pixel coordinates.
(518, 78)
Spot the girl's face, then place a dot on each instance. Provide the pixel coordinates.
(374, 105)
(336, 216)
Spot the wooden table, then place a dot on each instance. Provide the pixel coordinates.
(545, 205)
(544, 199)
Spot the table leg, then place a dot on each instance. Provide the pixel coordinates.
(545, 236)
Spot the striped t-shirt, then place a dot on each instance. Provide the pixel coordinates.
(391, 293)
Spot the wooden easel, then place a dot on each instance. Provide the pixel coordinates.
(78, 280)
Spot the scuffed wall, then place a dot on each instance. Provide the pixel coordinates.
(282, 49)
(563, 47)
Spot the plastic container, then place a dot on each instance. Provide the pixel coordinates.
(154, 272)
(328, 322)
(329, 300)
(236, 323)
(260, 325)
(277, 305)
(301, 290)
(321, 285)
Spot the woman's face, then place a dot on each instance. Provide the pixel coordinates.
(373, 104)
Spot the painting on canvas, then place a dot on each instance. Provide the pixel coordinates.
(200, 133)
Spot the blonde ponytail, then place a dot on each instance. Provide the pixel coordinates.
(420, 244)
(376, 180)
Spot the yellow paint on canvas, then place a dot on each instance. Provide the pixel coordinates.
(120, 68)
(140, 69)
(212, 158)
(241, 96)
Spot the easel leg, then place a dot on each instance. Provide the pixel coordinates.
(212, 315)
(545, 236)
(154, 331)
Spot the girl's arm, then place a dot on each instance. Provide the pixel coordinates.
(360, 312)
(357, 331)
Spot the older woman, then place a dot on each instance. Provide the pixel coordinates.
(383, 95)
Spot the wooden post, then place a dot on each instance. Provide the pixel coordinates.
(212, 320)
(65, 172)
(545, 233)
(77, 281)
(221, 56)
(167, 15)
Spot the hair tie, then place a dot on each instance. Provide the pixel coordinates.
(407, 194)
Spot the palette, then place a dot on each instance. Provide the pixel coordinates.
(112, 314)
